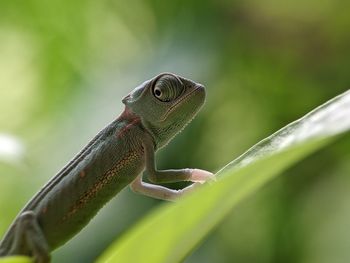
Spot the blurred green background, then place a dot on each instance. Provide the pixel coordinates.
(65, 66)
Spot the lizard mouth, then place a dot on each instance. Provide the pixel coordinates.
(199, 88)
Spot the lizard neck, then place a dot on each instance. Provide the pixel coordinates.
(131, 118)
(128, 115)
(160, 135)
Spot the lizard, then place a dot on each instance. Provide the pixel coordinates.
(119, 155)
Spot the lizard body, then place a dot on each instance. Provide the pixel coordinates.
(154, 112)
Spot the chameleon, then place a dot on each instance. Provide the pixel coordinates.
(120, 155)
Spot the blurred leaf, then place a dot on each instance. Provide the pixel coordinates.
(329, 119)
(155, 239)
(16, 259)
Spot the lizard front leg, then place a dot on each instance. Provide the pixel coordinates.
(29, 236)
(166, 176)
(158, 191)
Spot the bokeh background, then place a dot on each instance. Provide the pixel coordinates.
(65, 66)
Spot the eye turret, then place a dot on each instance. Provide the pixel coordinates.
(167, 88)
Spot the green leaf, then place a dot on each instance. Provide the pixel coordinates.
(172, 231)
(16, 259)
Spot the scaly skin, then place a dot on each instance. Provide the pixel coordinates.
(154, 113)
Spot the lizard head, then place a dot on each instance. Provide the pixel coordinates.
(166, 104)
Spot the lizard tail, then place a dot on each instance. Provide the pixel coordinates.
(5, 245)
(2, 252)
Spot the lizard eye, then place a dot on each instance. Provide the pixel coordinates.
(158, 92)
(167, 88)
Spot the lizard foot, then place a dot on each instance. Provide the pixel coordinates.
(201, 176)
